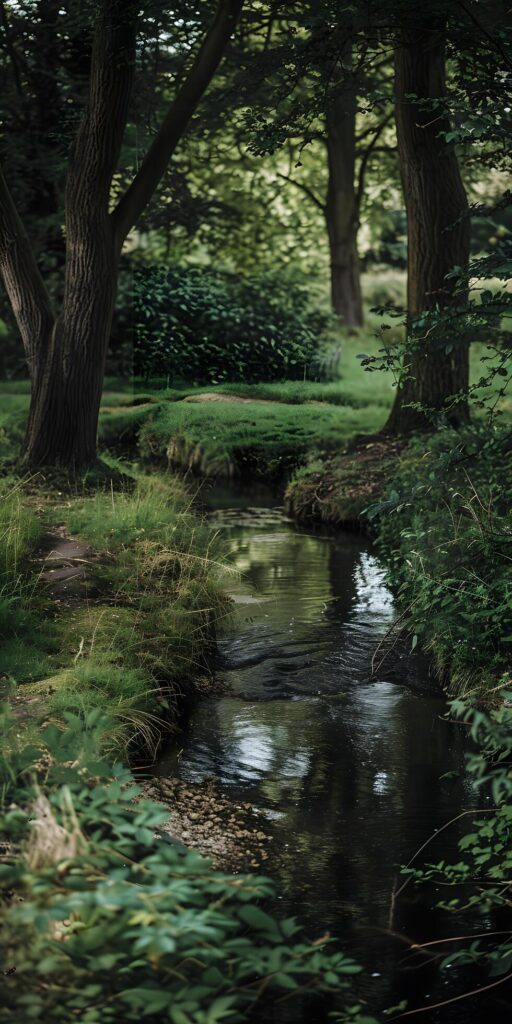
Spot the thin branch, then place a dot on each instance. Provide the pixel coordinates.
(464, 814)
(366, 156)
(420, 946)
(305, 189)
(494, 42)
(180, 112)
(454, 999)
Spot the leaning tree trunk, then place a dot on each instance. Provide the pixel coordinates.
(438, 233)
(342, 211)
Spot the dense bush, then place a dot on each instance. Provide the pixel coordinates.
(205, 328)
(447, 539)
(105, 923)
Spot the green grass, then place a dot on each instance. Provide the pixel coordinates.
(344, 392)
(267, 438)
(133, 651)
(19, 530)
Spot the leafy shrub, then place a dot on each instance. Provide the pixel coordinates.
(384, 286)
(478, 884)
(204, 328)
(448, 542)
(105, 922)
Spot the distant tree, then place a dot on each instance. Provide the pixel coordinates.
(333, 70)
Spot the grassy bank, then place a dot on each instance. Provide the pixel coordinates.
(132, 637)
(267, 439)
(267, 430)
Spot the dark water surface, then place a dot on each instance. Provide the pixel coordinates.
(346, 766)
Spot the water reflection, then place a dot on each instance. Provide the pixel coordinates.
(348, 767)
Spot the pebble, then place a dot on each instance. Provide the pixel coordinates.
(206, 821)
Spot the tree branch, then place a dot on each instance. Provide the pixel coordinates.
(366, 156)
(100, 135)
(208, 58)
(305, 189)
(28, 296)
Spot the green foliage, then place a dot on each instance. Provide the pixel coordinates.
(13, 411)
(199, 326)
(477, 886)
(480, 316)
(105, 922)
(447, 538)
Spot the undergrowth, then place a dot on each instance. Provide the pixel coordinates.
(476, 887)
(103, 922)
(445, 532)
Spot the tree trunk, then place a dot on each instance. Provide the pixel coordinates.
(67, 383)
(342, 211)
(438, 233)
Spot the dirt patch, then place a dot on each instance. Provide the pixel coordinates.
(67, 567)
(116, 409)
(232, 835)
(216, 396)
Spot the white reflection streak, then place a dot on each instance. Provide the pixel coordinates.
(372, 594)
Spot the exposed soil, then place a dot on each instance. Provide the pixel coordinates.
(338, 491)
(67, 567)
(215, 396)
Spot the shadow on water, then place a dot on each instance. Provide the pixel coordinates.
(347, 767)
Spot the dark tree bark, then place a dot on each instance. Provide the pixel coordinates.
(438, 231)
(342, 210)
(66, 351)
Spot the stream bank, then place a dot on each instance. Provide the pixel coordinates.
(336, 491)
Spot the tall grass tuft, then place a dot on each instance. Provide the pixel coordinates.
(19, 531)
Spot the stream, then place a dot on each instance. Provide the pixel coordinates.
(347, 767)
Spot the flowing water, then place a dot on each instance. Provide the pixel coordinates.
(346, 764)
